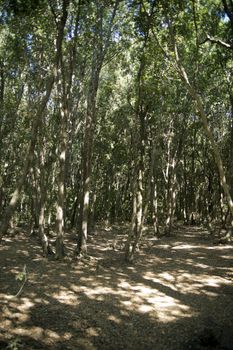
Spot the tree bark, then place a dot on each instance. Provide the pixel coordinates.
(199, 105)
(35, 126)
(139, 212)
(64, 92)
(99, 53)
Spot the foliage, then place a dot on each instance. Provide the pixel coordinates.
(138, 92)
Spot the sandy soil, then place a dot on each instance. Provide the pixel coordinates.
(178, 294)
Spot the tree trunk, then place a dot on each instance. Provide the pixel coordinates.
(2, 90)
(42, 188)
(86, 170)
(35, 126)
(207, 130)
(64, 92)
(155, 208)
(139, 212)
(185, 208)
(171, 200)
(99, 53)
(28, 160)
(61, 175)
(133, 230)
(230, 166)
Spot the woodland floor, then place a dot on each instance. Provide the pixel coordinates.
(178, 294)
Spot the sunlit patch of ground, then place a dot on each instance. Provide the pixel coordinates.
(176, 286)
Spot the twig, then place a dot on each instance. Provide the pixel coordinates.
(217, 41)
(24, 274)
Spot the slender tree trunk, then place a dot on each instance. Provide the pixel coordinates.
(139, 212)
(99, 53)
(185, 209)
(43, 194)
(34, 199)
(154, 202)
(222, 210)
(173, 160)
(230, 166)
(61, 183)
(133, 230)
(171, 200)
(30, 153)
(35, 126)
(92, 219)
(64, 91)
(192, 196)
(2, 91)
(207, 129)
(86, 171)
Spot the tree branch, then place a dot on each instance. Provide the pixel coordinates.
(217, 41)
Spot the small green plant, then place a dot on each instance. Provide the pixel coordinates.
(21, 276)
(14, 344)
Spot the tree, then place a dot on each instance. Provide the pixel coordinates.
(36, 123)
(101, 45)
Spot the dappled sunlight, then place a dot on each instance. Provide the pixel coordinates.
(140, 298)
(198, 246)
(38, 333)
(98, 290)
(185, 246)
(188, 283)
(84, 302)
(66, 297)
(162, 306)
(114, 319)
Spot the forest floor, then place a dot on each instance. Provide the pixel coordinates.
(178, 294)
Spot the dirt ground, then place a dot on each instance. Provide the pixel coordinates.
(178, 294)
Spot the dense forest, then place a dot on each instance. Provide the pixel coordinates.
(116, 174)
(115, 111)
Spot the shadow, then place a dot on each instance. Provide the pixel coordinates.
(176, 295)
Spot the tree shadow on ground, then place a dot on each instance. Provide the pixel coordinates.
(178, 290)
